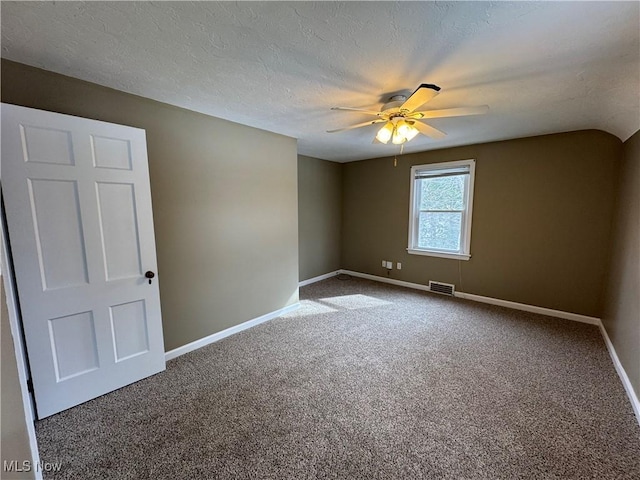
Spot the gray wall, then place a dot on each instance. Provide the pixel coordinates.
(224, 198)
(622, 308)
(319, 216)
(15, 440)
(541, 219)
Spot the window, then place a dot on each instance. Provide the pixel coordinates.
(440, 210)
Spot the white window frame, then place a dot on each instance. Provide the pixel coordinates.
(465, 237)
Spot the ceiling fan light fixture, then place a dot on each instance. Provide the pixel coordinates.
(407, 130)
(385, 133)
(402, 121)
(413, 131)
(398, 138)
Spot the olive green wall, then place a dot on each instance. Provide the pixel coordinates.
(541, 220)
(622, 307)
(224, 198)
(320, 216)
(15, 439)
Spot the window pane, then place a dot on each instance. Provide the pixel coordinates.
(440, 231)
(444, 193)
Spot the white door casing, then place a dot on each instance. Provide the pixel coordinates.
(78, 206)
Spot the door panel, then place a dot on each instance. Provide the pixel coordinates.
(78, 207)
(73, 341)
(129, 324)
(58, 238)
(46, 145)
(111, 152)
(119, 230)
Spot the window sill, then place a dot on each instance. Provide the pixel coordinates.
(432, 253)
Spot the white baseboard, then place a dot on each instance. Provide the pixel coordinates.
(633, 398)
(478, 298)
(309, 281)
(392, 281)
(190, 347)
(530, 308)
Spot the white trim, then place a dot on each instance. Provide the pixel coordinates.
(467, 213)
(19, 349)
(626, 383)
(309, 281)
(190, 347)
(478, 298)
(392, 281)
(434, 253)
(530, 308)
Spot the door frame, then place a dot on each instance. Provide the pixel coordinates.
(18, 344)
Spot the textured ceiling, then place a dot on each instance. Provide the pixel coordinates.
(542, 67)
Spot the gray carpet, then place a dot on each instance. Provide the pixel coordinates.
(367, 381)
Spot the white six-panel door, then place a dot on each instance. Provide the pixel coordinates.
(78, 207)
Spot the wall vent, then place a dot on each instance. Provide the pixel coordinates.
(441, 288)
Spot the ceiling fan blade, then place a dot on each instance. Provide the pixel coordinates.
(422, 95)
(357, 125)
(428, 130)
(451, 112)
(361, 110)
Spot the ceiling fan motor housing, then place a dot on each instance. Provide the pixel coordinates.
(394, 104)
(396, 101)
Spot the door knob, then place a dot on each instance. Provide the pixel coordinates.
(149, 275)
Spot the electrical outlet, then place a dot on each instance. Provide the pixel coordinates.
(399, 266)
(390, 265)
(384, 263)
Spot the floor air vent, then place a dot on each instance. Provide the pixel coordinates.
(442, 288)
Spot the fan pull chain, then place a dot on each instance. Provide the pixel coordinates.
(395, 158)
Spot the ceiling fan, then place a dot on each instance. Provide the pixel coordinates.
(401, 120)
